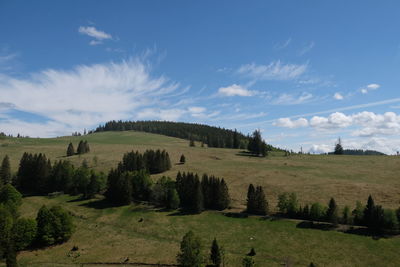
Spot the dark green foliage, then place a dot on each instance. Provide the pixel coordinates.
(368, 217)
(358, 214)
(182, 160)
(191, 142)
(164, 193)
(33, 174)
(141, 185)
(257, 146)
(256, 201)
(215, 254)
(70, 150)
(61, 177)
(96, 184)
(152, 161)
(288, 204)
(5, 171)
(190, 251)
(210, 193)
(6, 224)
(10, 198)
(332, 212)
(247, 262)
(338, 148)
(11, 256)
(390, 220)
(213, 136)
(24, 233)
(83, 147)
(311, 265)
(53, 225)
(173, 201)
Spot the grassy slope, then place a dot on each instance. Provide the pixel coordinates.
(314, 178)
(111, 234)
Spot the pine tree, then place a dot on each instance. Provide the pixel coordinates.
(338, 148)
(215, 254)
(223, 198)
(251, 199)
(368, 217)
(5, 171)
(346, 216)
(182, 159)
(261, 202)
(332, 212)
(70, 150)
(190, 251)
(198, 200)
(172, 199)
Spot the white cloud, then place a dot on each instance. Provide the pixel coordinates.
(289, 123)
(161, 114)
(289, 99)
(196, 109)
(98, 35)
(369, 87)
(279, 46)
(274, 71)
(338, 96)
(320, 149)
(368, 123)
(235, 90)
(86, 96)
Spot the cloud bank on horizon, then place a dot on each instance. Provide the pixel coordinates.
(292, 83)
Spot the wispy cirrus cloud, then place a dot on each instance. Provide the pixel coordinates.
(86, 96)
(292, 99)
(98, 35)
(274, 71)
(283, 45)
(307, 48)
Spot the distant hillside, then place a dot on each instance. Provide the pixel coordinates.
(212, 136)
(360, 152)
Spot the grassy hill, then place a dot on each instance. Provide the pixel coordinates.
(110, 234)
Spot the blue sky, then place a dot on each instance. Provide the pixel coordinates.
(304, 72)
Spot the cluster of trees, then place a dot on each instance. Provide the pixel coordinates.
(152, 161)
(51, 226)
(257, 146)
(195, 195)
(373, 216)
(191, 254)
(83, 147)
(36, 175)
(212, 136)
(256, 201)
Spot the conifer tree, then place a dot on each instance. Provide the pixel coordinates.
(338, 148)
(346, 216)
(215, 254)
(248, 262)
(261, 202)
(172, 199)
(198, 200)
(223, 198)
(190, 251)
(251, 199)
(70, 150)
(368, 217)
(332, 212)
(182, 160)
(5, 171)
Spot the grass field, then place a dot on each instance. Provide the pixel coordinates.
(110, 234)
(114, 233)
(312, 177)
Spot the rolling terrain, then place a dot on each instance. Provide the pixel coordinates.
(145, 234)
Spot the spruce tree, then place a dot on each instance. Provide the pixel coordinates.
(261, 202)
(198, 200)
(182, 160)
(368, 217)
(215, 254)
(172, 199)
(332, 212)
(5, 171)
(251, 199)
(70, 150)
(190, 251)
(338, 148)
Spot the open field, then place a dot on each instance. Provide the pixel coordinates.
(110, 234)
(312, 177)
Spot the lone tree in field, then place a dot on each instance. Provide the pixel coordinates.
(182, 160)
(215, 255)
(70, 150)
(256, 145)
(5, 171)
(190, 252)
(338, 148)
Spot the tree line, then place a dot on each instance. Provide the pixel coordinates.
(153, 161)
(212, 136)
